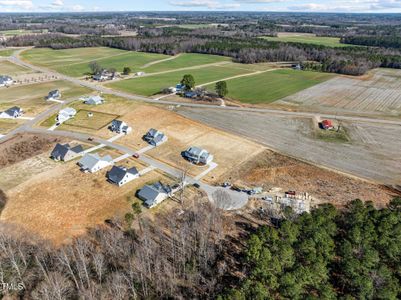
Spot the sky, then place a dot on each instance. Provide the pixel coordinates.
(349, 6)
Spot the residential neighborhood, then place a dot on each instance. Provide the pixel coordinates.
(12, 113)
(93, 163)
(121, 175)
(6, 80)
(155, 137)
(120, 127)
(197, 155)
(65, 114)
(66, 152)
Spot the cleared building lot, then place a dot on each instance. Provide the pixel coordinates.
(373, 153)
(10, 69)
(379, 92)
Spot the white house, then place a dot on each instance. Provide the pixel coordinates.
(154, 194)
(93, 162)
(93, 100)
(6, 80)
(197, 155)
(12, 113)
(65, 114)
(122, 175)
(120, 127)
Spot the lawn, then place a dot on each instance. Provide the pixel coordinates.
(150, 85)
(8, 68)
(308, 39)
(271, 86)
(75, 62)
(96, 122)
(185, 60)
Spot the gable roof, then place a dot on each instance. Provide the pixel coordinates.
(149, 193)
(116, 174)
(13, 110)
(62, 150)
(90, 160)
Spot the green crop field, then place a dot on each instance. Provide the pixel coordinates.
(185, 60)
(308, 39)
(271, 86)
(8, 68)
(75, 62)
(150, 85)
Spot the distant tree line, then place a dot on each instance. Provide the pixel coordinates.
(328, 254)
(347, 60)
(391, 41)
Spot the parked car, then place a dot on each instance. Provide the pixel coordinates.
(196, 185)
(135, 155)
(226, 184)
(90, 139)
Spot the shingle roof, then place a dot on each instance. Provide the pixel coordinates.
(149, 193)
(116, 174)
(90, 160)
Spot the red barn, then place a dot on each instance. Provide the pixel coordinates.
(327, 124)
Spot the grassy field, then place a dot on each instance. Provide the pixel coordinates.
(15, 32)
(308, 39)
(31, 97)
(151, 85)
(6, 52)
(185, 60)
(96, 122)
(271, 86)
(75, 62)
(11, 69)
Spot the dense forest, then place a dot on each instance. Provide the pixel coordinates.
(328, 254)
(391, 41)
(353, 253)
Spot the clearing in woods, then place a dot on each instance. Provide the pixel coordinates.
(379, 92)
(268, 87)
(305, 38)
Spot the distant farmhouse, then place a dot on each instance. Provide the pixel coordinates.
(12, 113)
(104, 75)
(93, 162)
(93, 100)
(122, 175)
(155, 137)
(198, 156)
(154, 194)
(65, 114)
(53, 95)
(6, 80)
(66, 152)
(120, 127)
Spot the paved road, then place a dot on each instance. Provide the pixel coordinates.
(98, 87)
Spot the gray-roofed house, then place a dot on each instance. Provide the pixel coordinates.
(197, 155)
(55, 94)
(155, 137)
(93, 100)
(66, 114)
(66, 152)
(154, 194)
(12, 113)
(93, 162)
(120, 127)
(6, 80)
(121, 175)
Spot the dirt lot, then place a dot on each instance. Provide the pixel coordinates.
(378, 92)
(373, 152)
(24, 146)
(62, 202)
(270, 169)
(228, 150)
